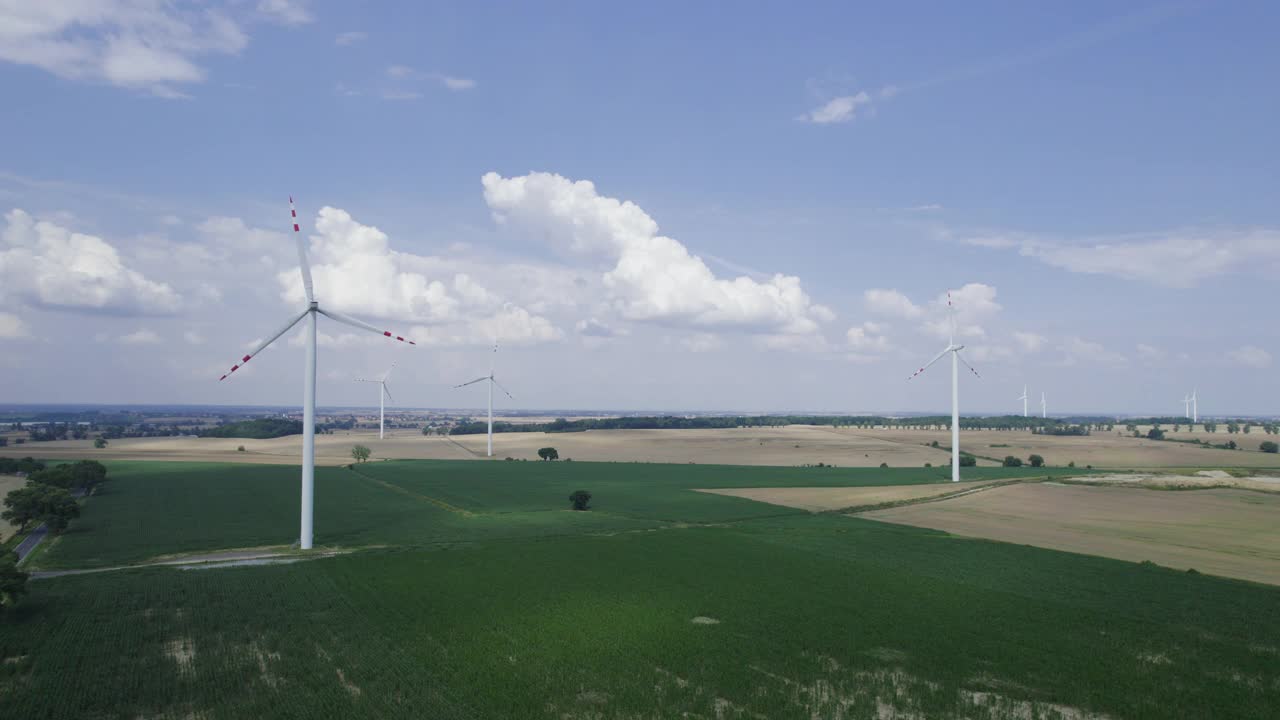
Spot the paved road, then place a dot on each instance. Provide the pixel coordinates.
(26, 546)
(29, 544)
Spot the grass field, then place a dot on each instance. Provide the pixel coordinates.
(490, 600)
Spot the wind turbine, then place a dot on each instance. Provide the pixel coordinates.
(492, 381)
(1195, 407)
(1044, 409)
(1186, 406)
(383, 395)
(1023, 398)
(309, 377)
(954, 349)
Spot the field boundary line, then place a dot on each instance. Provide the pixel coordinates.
(463, 448)
(405, 491)
(857, 509)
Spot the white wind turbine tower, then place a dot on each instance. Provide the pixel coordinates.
(309, 377)
(492, 381)
(1023, 398)
(1186, 406)
(954, 349)
(1195, 407)
(383, 395)
(1044, 409)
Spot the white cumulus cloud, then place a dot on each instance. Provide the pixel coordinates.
(1250, 356)
(654, 278)
(837, 110)
(49, 266)
(286, 12)
(891, 303)
(355, 270)
(137, 44)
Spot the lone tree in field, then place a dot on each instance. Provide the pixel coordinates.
(549, 453)
(360, 453)
(1036, 461)
(13, 582)
(580, 499)
(100, 442)
(1011, 461)
(1155, 433)
(1269, 446)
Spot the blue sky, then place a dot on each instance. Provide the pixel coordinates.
(1097, 183)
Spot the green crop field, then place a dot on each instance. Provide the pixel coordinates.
(487, 598)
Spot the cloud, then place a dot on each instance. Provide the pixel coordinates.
(1029, 342)
(193, 338)
(50, 266)
(1075, 350)
(596, 329)
(654, 278)
(867, 338)
(838, 110)
(353, 37)
(1250, 356)
(1149, 352)
(450, 82)
(286, 12)
(136, 44)
(1173, 259)
(355, 270)
(140, 337)
(401, 95)
(891, 303)
(973, 304)
(12, 326)
(455, 83)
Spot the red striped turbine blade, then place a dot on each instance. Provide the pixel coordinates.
(263, 345)
(348, 320)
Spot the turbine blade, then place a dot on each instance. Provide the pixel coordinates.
(966, 364)
(263, 345)
(495, 382)
(346, 319)
(388, 392)
(928, 364)
(472, 382)
(951, 310)
(303, 265)
(387, 374)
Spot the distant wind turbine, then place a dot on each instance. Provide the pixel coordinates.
(492, 381)
(1044, 409)
(309, 377)
(383, 395)
(1023, 398)
(954, 349)
(1195, 407)
(1186, 406)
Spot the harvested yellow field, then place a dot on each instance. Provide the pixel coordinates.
(1101, 449)
(792, 445)
(7, 483)
(1227, 532)
(786, 446)
(822, 499)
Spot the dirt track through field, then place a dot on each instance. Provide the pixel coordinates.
(1226, 532)
(825, 499)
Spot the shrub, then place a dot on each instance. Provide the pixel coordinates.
(1269, 446)
(967, 460)
(13, 582)
(240, 449)
(99, 443)
(1071, 464)
(548, 453)
(1011, 461)
(1037, 461)
(580, 499)
(884, 464)
(1155, 433)
(928, 464)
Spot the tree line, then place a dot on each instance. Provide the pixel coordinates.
(673, 422)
